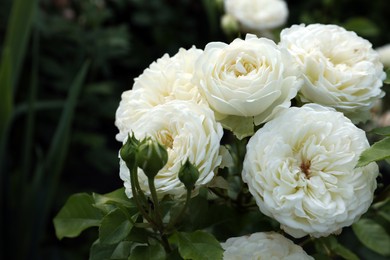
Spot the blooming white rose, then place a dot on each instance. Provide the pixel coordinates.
(384, 54)
(246, 82)
(340, 69)
(257, 15)
(263, 245)
(189, 131)
(167, 79)
(300, 168)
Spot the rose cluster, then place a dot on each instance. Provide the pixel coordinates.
(300, 160)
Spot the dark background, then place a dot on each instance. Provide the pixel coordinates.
(120, 38)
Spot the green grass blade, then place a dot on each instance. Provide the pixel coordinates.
(18, 34)
(6, 99)
(30, 119)
(14, 48)
(45, 182)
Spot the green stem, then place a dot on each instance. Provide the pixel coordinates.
(181, 214)
(156, 203)
(165, 243)
(138, 188)
(133, 178)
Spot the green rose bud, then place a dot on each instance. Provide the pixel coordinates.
(129, 150)
(151, 157)
(229, 25)
(188, 175)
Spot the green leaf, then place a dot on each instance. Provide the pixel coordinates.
(155, 252)
(122, 251)
(373, 236)
(362, 26)
(115, 226)
(101, 251)
(328, 246)
(197, 245)
(383, 207)
(378, 151)
(240, 126)
(117, 197)
(198, 207)
(381, 131)
(139, 235)
(344, 252)
(76, 215)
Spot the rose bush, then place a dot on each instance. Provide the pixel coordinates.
(188, 184)
(257, 15)
(262, 245)
(246, 82)
(188, 131)
(339, 68)
(300, 167)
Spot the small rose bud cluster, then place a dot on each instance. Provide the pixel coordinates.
(148, 154)
(151, 157)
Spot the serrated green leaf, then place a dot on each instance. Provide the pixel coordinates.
(378, 151)
(198, 245)
(373, 236)
(240, 126)
(155, 252)
(114, 227)
(76, 215)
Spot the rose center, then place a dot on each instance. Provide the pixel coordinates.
(165, 138)
(241, 67)
(305, 168)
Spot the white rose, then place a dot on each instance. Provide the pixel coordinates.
(167, 79)
(189, 131)
(340, 69)
(300, 168)
(258, 15)
(384, 54)
(262, 245)
(246, 82)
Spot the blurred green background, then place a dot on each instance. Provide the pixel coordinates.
(63, 67)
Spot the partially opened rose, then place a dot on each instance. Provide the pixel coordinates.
(188, 131)
(262, 245)
(167, 79)
(257, 15)
(301, 169)
(246, 82)
(339, 68)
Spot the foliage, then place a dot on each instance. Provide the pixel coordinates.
(63, 67)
